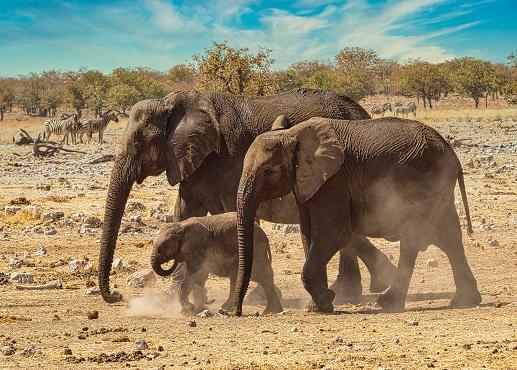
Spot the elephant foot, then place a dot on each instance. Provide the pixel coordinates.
(257, 296)
(188, 309)
(346, 291)
(391, 301)
(273, 309)
(228, 305)
(470, 298)
(382, 278)
(323, 303)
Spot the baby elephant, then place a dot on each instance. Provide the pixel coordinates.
(209, 245)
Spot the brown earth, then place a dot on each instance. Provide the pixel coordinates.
(427, 334)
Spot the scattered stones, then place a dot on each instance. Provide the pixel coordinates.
(93, 222)
(20, 201)
(79, 266)
(30, 351)
(22, 277)
(15, 262)
(52, 216)
(287, 228)
(92, 315)
(135, 217)
(94, 290)
(431, 263)
(141, 345)
(8, 350)
(192, 323)
(141, 279)
(492, 242)
(134, 206)
(413, 323)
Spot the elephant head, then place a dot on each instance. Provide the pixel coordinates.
(183, 241)
(174, 134)
(299, 159)
(166, 246)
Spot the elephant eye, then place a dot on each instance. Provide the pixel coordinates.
(268, 172)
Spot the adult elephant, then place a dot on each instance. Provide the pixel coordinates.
(200, 140)
(386, 178)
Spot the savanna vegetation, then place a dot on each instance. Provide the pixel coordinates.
(354, 71)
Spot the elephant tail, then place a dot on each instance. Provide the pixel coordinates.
(461, 183)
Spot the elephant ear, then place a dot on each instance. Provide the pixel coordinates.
(319, 156)
(195, 137)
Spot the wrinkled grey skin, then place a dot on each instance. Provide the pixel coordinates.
(384, 178)
(200, 140)
(208, 245)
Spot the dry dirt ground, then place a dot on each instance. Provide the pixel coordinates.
(427, 334)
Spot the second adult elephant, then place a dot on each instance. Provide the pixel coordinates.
(382, 178)
(200, 140)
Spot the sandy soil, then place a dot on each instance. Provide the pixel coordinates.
(427, 334)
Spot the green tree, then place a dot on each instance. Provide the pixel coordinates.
(473, 77)
(182, 77)
(123, 97)
(94, 87)
(53, 93)
(234, 70)
(74, 94)
(423, 79)
(6, 96)
(30, 94)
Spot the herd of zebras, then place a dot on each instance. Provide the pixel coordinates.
(395, 107)
(71, 126)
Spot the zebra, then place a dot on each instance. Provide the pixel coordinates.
(90, 126)
(404, 110)
(380, 109)
(412, 107)
(67, 125)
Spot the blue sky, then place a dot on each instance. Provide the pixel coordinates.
(36, 35)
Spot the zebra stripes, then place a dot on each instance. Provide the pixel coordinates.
(91, 126)
(380, 109)
(404, 110)
(67, 125)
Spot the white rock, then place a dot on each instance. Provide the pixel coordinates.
(142, 279)
(78, 266)
(135, 217)
(204, 314)
(86, 229)
(42, 252)
(15, 262)
(94, 290)
(141, 345)
(22, 277)
(8, 350)
(49, 230)
(492, 242)
(30, 350)
(52, 216)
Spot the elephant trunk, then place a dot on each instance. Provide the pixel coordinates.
(247, 204)
(120, 185)
(156, 263)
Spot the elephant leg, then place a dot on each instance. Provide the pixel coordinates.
(395, 298)
(228, 305)
(184, 291)
(347, 285)
(199, 291)
(449, 240)
(185, 208)
(265, 277)
(378, 264)
(314, 277)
